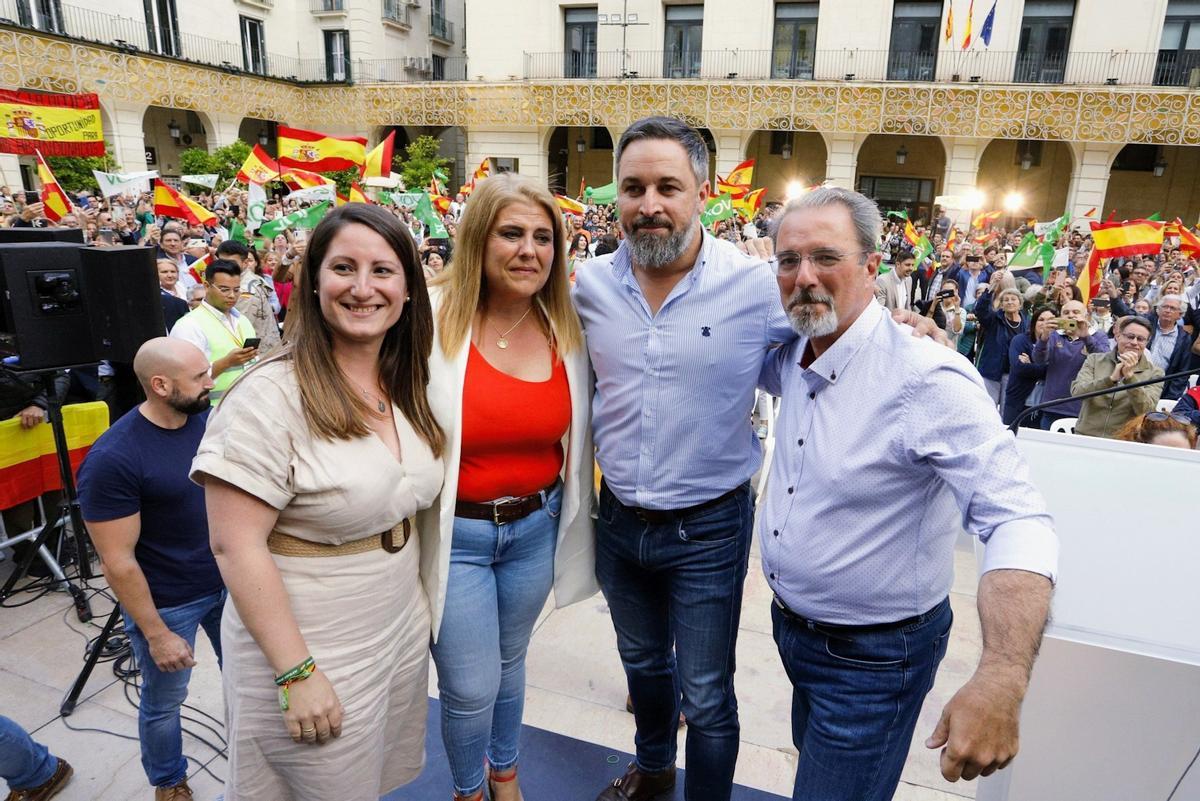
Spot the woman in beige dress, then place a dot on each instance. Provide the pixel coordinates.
(310, 521)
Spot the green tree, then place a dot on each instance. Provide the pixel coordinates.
(74, 173)
(196, 161)
(422, 160)
(343, 178)
(224, 161)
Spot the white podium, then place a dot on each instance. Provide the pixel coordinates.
(1113, 710)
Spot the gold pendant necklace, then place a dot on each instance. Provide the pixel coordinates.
(502, 342)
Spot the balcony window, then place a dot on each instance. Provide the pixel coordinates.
(439, 67)
(579, 47)
(439, 26)
(685, 27)
(795, 44)
(254, 48)
(913, 54)
(1045, 41)
(1179, 51)
(45, 15)
(162, 27)
(337, 55)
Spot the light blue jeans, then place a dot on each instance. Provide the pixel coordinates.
(500, 577)
(24, 762)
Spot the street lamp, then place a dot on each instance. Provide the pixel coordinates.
(262, 137)
(1013, 202)
(173, 129)
(580, 145)
(1160, 167)
(901, 154)
(786, 151)
(1026, 159)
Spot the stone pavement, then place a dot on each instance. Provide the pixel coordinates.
(575, 687)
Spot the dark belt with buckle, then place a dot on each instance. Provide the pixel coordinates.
(657, 516)
(836, 628)
(505, 510)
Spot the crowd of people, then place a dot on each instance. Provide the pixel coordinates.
(399, 457)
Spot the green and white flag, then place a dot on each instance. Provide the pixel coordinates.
(304, 218)
(256, 204)
(601, 195)
(409, 199)
(716, 209)
(923, 250)
(207, 179)
(433, 221)
(116, 183)
(314, 194)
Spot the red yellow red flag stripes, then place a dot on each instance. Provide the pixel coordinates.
(749, 203)
(54, 198)
(259, 167)
(970, 13)
(197, 268)
(1089, 280)
(984, 219)
(28, 464)
(320, 152)
(56, 125)
(951, 240)
(910, 234)
(378, 163)
(737, 183)
(357, 195)
(1189, 243)
(570, 206)
(297, 179)
(1130, 238)
(170, 203)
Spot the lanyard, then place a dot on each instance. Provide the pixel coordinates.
(224, 327)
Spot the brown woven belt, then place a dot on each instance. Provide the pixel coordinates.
(392, 541)
(506, 511)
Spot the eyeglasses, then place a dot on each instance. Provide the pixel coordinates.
(788, 262)
(1132, 338)
(1162, 417)
(226, 290)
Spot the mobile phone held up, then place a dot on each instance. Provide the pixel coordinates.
(252, 342)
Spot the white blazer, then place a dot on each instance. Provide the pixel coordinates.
(575, 555)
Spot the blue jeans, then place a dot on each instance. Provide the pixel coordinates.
(675, 593)
(159, 727)
(24, 763)
(855, 700)
(500, 577)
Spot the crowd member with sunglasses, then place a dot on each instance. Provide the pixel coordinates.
(1103, 415)
(1170, 429)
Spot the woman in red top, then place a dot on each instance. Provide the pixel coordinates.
(509, 384)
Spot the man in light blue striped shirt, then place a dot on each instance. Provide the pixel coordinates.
(678, 324)
(885, 446)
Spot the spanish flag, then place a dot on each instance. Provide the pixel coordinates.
(197, 268)
(440, 202)
(951, 240)
(970, 13)
(984, 219)
(570, 206)
(1189, 243)
(1089, 280)
(737, 183)
(54, 198)
(357, 195)
(169, 203)
(950, 22)
(28, 460)
(750, 203)
(259, 167)
(379, 161)
(320, 152)
(910, 234)
(297, 179)
(1130, 238)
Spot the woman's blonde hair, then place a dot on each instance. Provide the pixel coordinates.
(463, 282)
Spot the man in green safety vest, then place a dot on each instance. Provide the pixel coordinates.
(217, 328)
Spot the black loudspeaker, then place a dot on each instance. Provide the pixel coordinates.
(43, 313)
(120, 287)
(71, 235)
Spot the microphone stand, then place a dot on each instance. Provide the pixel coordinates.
(1030, 410)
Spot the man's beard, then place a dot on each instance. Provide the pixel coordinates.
(189, 406)
(806, 319)
(652, 251)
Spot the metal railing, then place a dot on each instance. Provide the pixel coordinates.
(327, 6)
(1122, 68)
(440, 27)
(131, 35)
(396, 12)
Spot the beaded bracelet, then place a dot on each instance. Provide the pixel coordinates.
(299, 673)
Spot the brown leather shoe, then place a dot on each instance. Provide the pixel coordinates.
(638, 786)
(43, 792)
(180, 792)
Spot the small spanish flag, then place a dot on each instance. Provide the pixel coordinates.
(1132, 238)
(259, 167)
(737, 183)
(357, 195)
(984, 219)
(749, 203)
(199, 267)
(54, 199)
(910, 234)
(970, 13)
(570, 206)
(951, 240)
(379, 160)
(170, 203)
(297, 179)
(1189, 243)
(320, 152)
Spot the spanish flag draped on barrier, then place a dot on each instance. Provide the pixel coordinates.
(319, 152)
(28, 461)
(55, 125)
(55, 200)
(169, 203)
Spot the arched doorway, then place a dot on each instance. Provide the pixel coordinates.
(579, 156)
(1025, 178)
(167, 132)
(1145, 179)
(783, 159)
(902, 172)
(254, 131)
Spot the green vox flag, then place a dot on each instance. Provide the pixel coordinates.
(1027, 256)
(601, 195)
(433, 222)
(1156, 216)
(923, 250)
(302, 218)
(901, 214)
(237, 232)
(716, 209)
